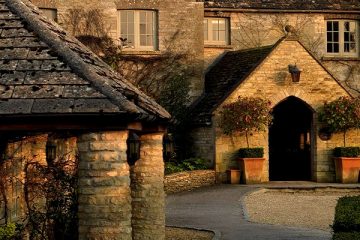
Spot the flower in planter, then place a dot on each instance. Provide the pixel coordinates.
(246, 114)
(341, 115)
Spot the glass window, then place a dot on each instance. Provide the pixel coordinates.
(138, 29)
(216, 31)
(341, 38)
(49, 13)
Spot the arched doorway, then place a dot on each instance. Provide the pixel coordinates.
(290, 141)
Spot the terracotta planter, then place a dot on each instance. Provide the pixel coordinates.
(347, 169)
(251, 169)
(233, 176)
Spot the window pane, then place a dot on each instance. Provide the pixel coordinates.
(49, 13)
(142, 28)
(336, 47)
(206, 29)
(142, 17)
(330, 48)
(222, 25)
(329, 36)
(336, 37)
(329, 26)
(335, 26)
(130, 16)
(222, 36)
(123, 16)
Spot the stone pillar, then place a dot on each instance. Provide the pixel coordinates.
(104, 186)
(147, 185)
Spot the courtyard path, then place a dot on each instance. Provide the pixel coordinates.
(220, 208)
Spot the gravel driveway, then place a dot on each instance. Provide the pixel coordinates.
(308, 209)
(220, 208)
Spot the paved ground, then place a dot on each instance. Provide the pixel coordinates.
(219, 208)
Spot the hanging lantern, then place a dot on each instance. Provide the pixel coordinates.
(133, 148)
(50, 152)
(168, 146)
(295, 73)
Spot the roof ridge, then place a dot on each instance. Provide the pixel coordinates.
(56, 39)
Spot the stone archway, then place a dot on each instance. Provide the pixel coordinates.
(290, 141)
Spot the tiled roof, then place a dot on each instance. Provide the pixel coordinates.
(343, 5)
(220, 81)
(45, 71)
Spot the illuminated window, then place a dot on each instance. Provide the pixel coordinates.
(216, 31)
(138, 29)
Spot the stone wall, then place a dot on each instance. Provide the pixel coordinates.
(180, 28)
(273, 82)
(255, 29)
(186, 181)
(203, 145)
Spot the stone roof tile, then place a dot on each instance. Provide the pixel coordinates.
(321, 5)
(231, 70)
(45, 71)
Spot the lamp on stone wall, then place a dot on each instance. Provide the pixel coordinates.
(168, 146)
(295, 73)
(133, 148)
(50, 152)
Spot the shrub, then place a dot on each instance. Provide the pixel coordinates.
(346, 236)
(251, 152)
(8, 231)
(347, 151)
(341, 115)
(245, 115)
(186, 165)
(347, 215)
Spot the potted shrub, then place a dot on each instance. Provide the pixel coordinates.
(245, 115)
(340, 116)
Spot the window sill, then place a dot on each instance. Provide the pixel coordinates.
(340, 58)
(140, 52)
(218, 46)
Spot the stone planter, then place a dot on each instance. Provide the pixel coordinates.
(233, 176)
(347, 169)
(251, 170)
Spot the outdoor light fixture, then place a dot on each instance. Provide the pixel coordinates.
(50, 152)
(295, 73)
(168, 146)
(133, 148)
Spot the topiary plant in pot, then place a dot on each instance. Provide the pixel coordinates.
(340, 116)
(245, 115)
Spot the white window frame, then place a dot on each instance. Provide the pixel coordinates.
(341, 52)
(137, 46)
(50, 13)
(210, 29)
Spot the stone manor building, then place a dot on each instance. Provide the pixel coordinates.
(245, 48)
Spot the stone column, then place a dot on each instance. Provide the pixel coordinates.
(147, 185)
(104, 186)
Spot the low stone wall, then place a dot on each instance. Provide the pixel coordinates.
(185, 181)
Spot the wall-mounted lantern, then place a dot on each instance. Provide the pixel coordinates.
(295, 73)
(168, 146)
(133, 148)
(50, 152)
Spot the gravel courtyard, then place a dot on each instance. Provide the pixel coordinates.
(305, 208)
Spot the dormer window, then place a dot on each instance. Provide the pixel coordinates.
(342, 38)
(216, 31)
(138, 29)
